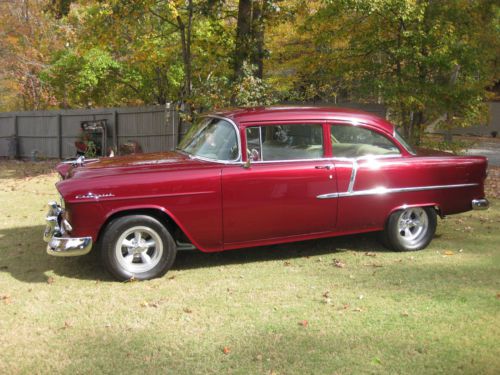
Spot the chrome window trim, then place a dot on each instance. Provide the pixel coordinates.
(383, 190)
(238, 159)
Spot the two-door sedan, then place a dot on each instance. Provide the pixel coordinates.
(259, 176)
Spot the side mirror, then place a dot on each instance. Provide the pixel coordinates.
(252, 155)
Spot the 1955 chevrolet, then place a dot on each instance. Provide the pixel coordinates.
(258, 176)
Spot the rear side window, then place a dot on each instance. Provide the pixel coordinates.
(354, 141)
(285, 142)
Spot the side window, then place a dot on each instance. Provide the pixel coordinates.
(354, 141)
(284, 142)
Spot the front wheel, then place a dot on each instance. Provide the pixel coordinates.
(138, 247)
(411, 229)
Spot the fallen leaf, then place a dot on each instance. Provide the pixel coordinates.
(338, 263)
(171, 277)
(326, 294)
(50, 280)
(357, 309)
(405, 314)
(144, 304)
(370, 254)
(345, 306)
(226, 350)
(187, 310)
(6, 299)
(375, 265)
(286, 264)
(67, 325)
(498, 295)
(304, 323)
(449, 253)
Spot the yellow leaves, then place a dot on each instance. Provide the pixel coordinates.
(172, 6)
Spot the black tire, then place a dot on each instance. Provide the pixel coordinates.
(150, 253)
(410, 229)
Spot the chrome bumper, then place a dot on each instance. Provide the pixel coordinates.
(57, 236)
(480, 204)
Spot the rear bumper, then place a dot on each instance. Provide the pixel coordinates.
(480, 204)
(56, 234)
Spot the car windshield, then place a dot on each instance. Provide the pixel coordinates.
(211, 138)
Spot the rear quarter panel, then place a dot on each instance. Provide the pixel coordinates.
(370, 211)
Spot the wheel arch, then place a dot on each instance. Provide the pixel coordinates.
(166, 218)
(435, 206)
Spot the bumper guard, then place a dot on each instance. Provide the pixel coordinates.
(480, 204)
(56, 234)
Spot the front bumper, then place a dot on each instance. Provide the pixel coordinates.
(57, 235)
(480, 204)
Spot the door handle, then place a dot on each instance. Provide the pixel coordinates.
(328, 166)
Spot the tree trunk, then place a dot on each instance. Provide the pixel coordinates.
(185, 31)
(243, 36)
(258, 36)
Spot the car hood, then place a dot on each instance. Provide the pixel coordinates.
(137, 163)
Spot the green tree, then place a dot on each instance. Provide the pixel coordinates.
(424, 59)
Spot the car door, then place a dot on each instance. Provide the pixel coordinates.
(275, 195)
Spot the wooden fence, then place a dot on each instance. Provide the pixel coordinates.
(52, 134)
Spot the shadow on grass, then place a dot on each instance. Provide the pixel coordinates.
(288, 349)
(23, 255)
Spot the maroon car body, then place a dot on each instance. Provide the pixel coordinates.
(295, 174)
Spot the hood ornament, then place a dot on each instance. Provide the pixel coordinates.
(79, 161)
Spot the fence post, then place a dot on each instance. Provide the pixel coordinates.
(59, 136)
(16, 138)
(115, 131)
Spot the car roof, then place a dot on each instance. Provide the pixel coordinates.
(287, 113)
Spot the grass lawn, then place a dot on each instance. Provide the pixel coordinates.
(335, 306)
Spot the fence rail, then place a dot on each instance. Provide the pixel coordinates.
(52, 134)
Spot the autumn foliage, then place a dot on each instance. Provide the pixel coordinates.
(429, 62)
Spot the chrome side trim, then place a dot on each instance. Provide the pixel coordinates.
(480, 204)
(353, 175)
(328, 196)
(383, 190)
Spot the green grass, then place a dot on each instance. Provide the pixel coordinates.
(385, 313)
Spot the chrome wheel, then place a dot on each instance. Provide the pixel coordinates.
(139, 249)
(412, 226)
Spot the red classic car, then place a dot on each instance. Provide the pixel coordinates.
(258, 176)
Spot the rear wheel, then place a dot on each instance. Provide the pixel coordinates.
(411, 228)
(139, 247)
